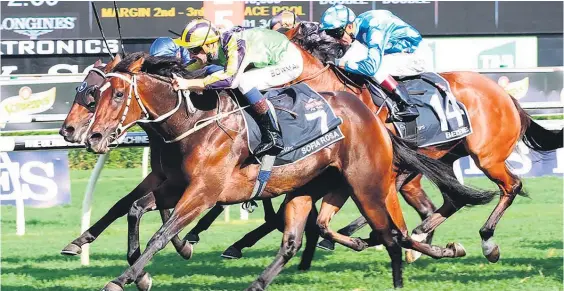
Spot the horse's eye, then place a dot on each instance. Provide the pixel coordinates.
(119, 94)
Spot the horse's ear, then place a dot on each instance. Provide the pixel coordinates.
(98, 63)
(112, 63)
(135, 67)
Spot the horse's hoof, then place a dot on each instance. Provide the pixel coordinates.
(71, 250)
(304, 267)
(326, 245)
(359, 244)
(111, 286)
(144, 283)
(186, 251)
(493, 257)
(457, 248)
(411, 256)
(192, 238)
(232, 253)
(491, 250)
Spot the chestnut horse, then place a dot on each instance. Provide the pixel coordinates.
(498, 123)
(215, 168)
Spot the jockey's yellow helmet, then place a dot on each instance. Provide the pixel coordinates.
(198, 32)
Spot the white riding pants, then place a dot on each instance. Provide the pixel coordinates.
(289, 68)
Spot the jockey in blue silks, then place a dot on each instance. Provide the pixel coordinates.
(382, 45)
(165, 47)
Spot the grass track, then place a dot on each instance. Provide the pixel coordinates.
(530, 237)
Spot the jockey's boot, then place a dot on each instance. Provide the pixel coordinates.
(404, 111)
(271, 141)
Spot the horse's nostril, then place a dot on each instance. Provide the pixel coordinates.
(69, 129)
(95, 137)
(66, 131)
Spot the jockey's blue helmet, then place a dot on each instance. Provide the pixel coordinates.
(164, 46)
(336, 16)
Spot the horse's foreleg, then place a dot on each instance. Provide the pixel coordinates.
(193, 236)
(118, 210)
(193, 202)
(182, 247)
(295, 217)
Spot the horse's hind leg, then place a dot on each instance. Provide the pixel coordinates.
(348, 230)
(295, 217)
(413, 194)
(376, 211)
(510, 186)
(118, 210)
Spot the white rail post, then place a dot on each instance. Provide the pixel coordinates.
(226, 214)
(87, 205)
(243, 214)
(145, 163)
(12, 174)
(20, 216)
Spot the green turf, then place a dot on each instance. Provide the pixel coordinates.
(530, 236)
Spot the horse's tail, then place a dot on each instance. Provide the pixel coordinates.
(407, 158)
(535, 136)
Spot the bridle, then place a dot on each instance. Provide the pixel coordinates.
(133, 90)
(89, 89)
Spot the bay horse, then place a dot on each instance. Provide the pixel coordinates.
(498, 123)
(74, 129)
(213, 151)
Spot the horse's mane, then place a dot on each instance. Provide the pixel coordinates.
(161, 66)
(325, 48)
(318, 43)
